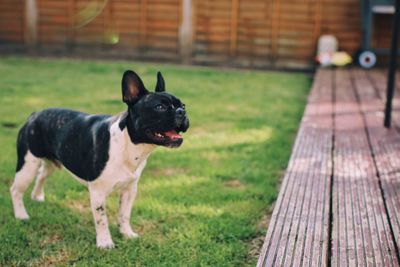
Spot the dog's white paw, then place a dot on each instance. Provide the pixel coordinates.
(105, 244)
(21, 215)
(129, 233)
(37, 197)
(104, 241)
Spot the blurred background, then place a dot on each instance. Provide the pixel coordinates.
(251, 33)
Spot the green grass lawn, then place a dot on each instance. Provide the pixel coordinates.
(204, 204)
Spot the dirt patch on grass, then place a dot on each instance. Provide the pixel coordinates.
(234, 183)
(50, 240)
(150, 229)
(147, 226)
(168, 171)
(232, 108)
(61, 257)
(257, 242)
(80, 205)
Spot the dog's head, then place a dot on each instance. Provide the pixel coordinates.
(152, 118)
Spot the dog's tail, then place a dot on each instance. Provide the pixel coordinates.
(22, 146)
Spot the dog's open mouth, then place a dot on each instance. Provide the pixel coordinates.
(168, 135)
(170, 138)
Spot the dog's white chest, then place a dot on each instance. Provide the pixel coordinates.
(126, 160)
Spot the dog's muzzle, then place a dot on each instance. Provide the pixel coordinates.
(181, 121)
(180, 113)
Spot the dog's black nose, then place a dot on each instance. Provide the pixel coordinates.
(180, 112)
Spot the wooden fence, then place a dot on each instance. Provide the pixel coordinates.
(254, 33)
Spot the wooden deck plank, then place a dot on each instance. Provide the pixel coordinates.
(309, 169)
(349, 131)
(312, 235)
(280, 211)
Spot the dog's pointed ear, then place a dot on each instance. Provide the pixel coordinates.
(132, 87)
(160, 87)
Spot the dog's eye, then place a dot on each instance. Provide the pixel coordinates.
(160, 107)
(183, 106)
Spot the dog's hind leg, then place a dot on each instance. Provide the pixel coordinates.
(45, 170)
(23, 178)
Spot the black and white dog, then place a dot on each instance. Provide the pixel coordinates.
(103, 152)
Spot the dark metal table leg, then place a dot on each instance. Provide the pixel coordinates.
(392, 67)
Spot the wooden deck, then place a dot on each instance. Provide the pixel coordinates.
(339, 203)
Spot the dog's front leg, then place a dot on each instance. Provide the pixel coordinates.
(127, 198)
(98, 205)
(128, 195)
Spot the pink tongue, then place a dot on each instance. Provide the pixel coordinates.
(173, 134)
